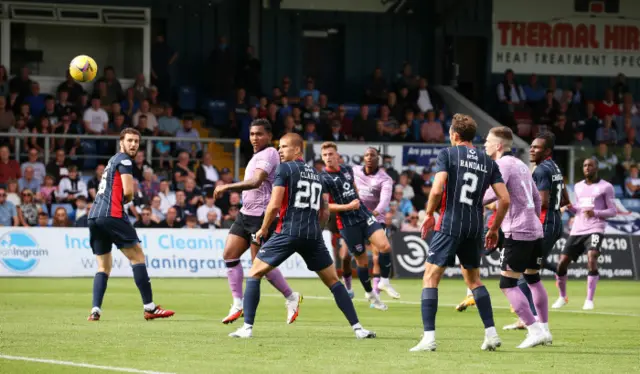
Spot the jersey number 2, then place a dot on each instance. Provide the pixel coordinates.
(470, 185)
(308, 195)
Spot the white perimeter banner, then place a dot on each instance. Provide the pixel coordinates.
(51, 252)
(551, 37)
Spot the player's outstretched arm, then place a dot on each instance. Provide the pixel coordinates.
(250, 184)
(336, 208)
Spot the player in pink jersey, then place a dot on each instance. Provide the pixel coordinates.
(375, 187)
(256, 193)
(594, 204)
(522, 251)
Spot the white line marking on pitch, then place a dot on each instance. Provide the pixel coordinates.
(453, 305)
(79, 364)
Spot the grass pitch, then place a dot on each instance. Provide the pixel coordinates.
(46, 319)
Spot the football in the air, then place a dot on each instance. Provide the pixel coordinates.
(83, 68)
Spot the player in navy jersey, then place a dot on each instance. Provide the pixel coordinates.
(356, 223)
(550, 183)
(109, 225)
(463, 174)
(297, 196)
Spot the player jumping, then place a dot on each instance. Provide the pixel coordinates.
(355, 222)
(522, 252)
(109, 224)
(463, 174)
(375, 188)
(595, 203)
(298, 197)
(256, 192)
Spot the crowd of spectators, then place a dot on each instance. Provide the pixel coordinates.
(606, 128)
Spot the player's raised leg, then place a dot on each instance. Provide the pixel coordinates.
(379, 240)
(234, 247)
(329, 277)
(592, 279)
(141, 278)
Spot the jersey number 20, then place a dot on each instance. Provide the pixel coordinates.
(308, 195)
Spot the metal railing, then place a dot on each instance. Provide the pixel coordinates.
(147, 143)
(351, 150)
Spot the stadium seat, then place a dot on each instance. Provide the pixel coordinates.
(618, 191)
(216, 112)
(187, 98)
(352, 110)
(68, 207)
(631, 204)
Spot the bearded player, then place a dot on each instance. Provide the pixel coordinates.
(109, 225)
(594, 204)
(356, 223)
(375, 188)
(256, 193)
(463, 175)
(522, 252)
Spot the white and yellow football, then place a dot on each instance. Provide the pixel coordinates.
(83, 68)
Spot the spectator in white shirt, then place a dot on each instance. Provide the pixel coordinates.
(152, 122)
(71, 187)
(207, 207)
(405, 187)
(95, 118)
(167, 197)
(424, 100)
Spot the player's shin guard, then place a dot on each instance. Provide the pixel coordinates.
(540, 297)
(592, 282)
(524, 287)
(509, 287)
(141, 277)
(234, 277)
(365, 279)
(277, 280)
(344, 302)
(251, 300)
(385, 264)
(429, 307)
(99, 288)
(483, 303)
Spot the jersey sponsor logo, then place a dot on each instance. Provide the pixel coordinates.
(348, 191)
(126, 162)
(414, 260)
